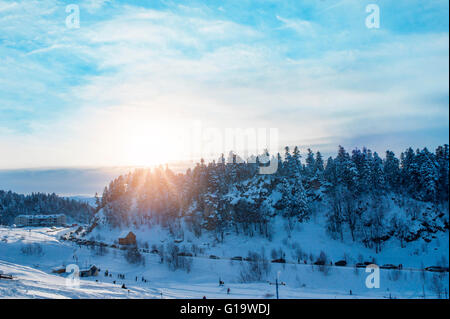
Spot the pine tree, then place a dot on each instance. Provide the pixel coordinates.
(410, 173)
(392, 171)
(292, 163)
(345, 169)
(319, 167)
(287, 162)
(298, 205)
(330, 173)
(429, 176)
(442, 160)
(310, 164)
(377, 175)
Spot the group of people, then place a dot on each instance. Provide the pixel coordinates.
(122, 276)
(142, 279)
(222, 283)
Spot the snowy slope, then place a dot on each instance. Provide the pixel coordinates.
(34, 278)
(310, 237)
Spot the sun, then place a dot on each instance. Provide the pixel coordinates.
(141, 137)
(151, 149)
(151, 143)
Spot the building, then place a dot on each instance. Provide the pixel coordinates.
(91, 271)
(41, 220)
(59, 270)
(129, 239)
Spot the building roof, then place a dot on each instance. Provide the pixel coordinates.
(125, 233)
(91, 267)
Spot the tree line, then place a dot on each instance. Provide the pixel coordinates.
(13, 204)
(361, 194)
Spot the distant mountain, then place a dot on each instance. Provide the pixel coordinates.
(81, 182)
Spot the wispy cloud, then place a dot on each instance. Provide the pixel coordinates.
(77, 96)
(302, 27)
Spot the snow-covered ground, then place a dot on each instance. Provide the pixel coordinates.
(310, 237)
(33, 277)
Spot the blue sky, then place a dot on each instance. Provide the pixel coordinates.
(113, 91)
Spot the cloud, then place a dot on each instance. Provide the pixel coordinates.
(5, 6)
(302, 27)
(82, 97)
(47, 49)
(94, 5)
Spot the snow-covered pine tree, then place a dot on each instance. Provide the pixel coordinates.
(377, 175)
(319, 165)
(391, 169)
(429, 176)
(442, 159)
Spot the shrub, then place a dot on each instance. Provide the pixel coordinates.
(32, 249)
(437, 286)
(174, 261)
(323, 258)
(101, 250)
(277, 253)
(394, 275)
(133, 256)
(256, 269)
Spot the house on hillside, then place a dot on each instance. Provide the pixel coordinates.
(59, 270)
(91, 271)
(127, 239)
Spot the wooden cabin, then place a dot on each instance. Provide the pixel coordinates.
(92, 271)
(129, 239)
(59, 270)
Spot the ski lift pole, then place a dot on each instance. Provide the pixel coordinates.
(276, 285)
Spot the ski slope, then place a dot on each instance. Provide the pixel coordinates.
(33, 277)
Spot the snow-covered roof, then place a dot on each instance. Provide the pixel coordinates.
(124, 233)
(59, 267)
(89, 268)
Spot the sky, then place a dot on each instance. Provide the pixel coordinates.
(131, 84)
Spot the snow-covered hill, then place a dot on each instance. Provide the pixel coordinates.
(226, 222)
(302, 241)
(33, 277)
